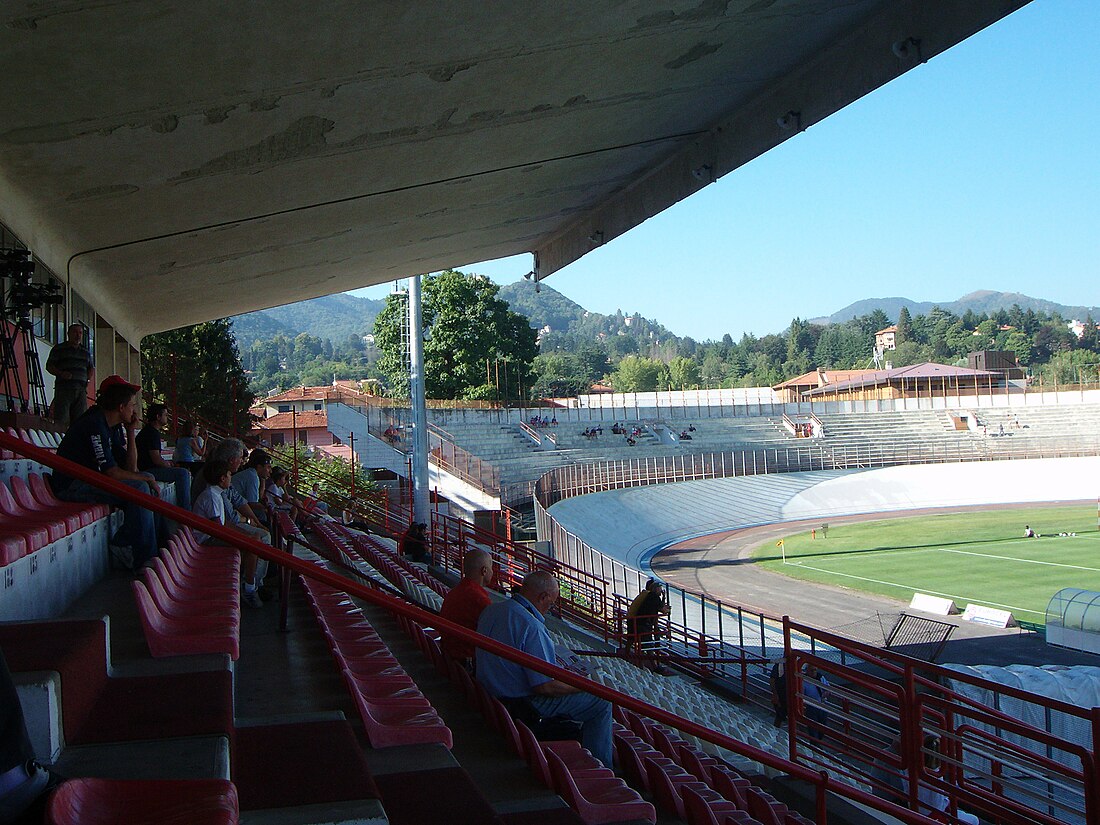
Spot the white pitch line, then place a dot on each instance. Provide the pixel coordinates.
(951, 596)
(1024, 561)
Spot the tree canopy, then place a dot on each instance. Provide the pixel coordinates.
(474, 345)
(201, 367)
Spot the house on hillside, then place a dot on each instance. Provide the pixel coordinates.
(887, 338)
(309, 428)
(313, 399)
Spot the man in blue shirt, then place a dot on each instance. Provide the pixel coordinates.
(521, 622)
(89, 443)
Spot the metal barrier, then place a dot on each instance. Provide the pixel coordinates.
(892, 722)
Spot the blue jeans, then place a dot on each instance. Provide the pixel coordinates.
(178, 476)
(593, 714)
(138, 529)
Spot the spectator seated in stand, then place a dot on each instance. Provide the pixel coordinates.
(250, 480)
(313, 504)
(414, 543)
(684, 436)
(277, 498)
(211, 504)
(238, 514)
(630, 441)
(189, 448)
(149, 459)
(391, 434)
(521, 622)
(465, 602)
(91, 442)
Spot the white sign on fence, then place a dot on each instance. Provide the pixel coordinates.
(980, 614)
(933, 604)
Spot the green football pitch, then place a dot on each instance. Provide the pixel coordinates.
(978, 557)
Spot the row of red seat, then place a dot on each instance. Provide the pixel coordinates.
(32, 517)
(695, 786)
(143, 802)
(375, 553)
(189, 599)
(588, 786)
(393, 709)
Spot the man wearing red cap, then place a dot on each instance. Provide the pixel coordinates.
(89, 442)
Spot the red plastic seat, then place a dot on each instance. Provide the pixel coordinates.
(401, 722)
(578, 760)
(200, 607)
(42, 493)
(731, 786)
(137, 802)
(598, 799)
(762, 806)
(13, 546)
(395, 686)
(666, 782)
(69, 516)
(702, 810)
(186, 578)
(55, 527)
(172, 636)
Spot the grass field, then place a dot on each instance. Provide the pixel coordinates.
(978, 557)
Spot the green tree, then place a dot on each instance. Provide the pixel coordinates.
(199, 368)
(469, 336)
(905, 326)
(637, 374)
(683, 373)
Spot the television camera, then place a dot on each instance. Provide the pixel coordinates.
(23, 294)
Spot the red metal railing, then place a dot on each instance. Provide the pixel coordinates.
(821, 781)
(885, 706)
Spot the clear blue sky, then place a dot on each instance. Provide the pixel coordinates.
(977, 170)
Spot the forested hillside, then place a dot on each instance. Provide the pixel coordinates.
(310, 342)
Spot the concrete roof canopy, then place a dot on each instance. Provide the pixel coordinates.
(177, 162)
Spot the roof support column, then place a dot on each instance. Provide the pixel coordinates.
(417, 401)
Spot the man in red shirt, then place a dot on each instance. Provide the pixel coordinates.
(463, 605)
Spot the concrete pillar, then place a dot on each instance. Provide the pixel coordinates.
(421, 500)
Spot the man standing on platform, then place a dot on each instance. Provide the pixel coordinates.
(70, 364)
(465, 603)
(521, 622)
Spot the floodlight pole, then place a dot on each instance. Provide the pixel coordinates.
(419, 444)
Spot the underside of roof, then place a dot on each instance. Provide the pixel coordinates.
(177, 162)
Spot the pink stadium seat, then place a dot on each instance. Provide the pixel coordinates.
(55, 528)
(598, 799)
(763, 807)
(13, 546)
(390, 722)
(69, 516)
(702, 810)
(44, 493)
(136, 802)
(666, 782)
(171, 636)
(577, 760)
(196, 606)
